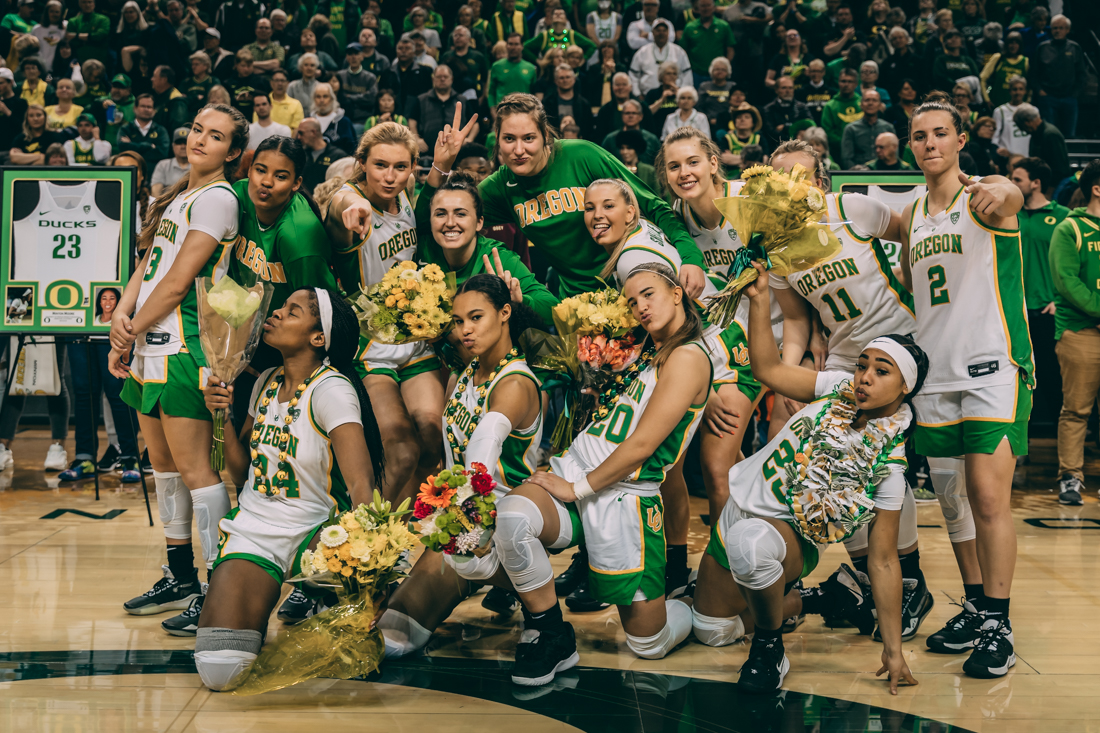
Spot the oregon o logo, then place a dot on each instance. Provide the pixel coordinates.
(1050, 220)
(64, 294)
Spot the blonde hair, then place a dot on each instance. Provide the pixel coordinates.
(387, 133)
(692, 330)
(706, 144)
(323, 193)
(789, 147)
(626, 193)
(218, 89)
(27, 131)
(238, 141)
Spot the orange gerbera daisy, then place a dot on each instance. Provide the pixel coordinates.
(437, 496)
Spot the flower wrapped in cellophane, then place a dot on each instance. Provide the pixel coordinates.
(457, 511)
(830, 484)
(778, 217)
(231, 320)
(406, 305)
(598, 339)
(356, 557)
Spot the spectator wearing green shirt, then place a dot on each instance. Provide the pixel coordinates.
(1038, 219)
(20, 21)
(705, 39)
(266, 54)
(557, 36)
(512, 73)
(115, 110)
(843, 109)
(1075, 270)
(87, 33)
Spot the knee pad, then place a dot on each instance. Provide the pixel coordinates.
(211, 504)
(948, 476)
(477, 569)
(223, 655)
(402, 634)
(174, 505)
(907, 522)
(714, 631)
(526, 561)
(756, 551)
(676, 629)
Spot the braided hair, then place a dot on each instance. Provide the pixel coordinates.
(494, 288)
(341, 355)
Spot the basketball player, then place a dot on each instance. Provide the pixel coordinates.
(962, 247)
(188, 233)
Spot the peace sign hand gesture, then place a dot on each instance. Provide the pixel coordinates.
(497, 268)
(452, 138)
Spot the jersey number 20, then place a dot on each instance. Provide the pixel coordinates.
(73, 244)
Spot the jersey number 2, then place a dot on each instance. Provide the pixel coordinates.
(937, 285)
(73, 243)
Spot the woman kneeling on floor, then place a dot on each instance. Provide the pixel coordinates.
(769, 534)
(314, 443)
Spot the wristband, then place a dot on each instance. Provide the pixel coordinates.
(581, 489)
(441, 171)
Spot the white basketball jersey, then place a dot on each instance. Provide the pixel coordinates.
(855, 293)
(518, 455)
(315, 483)
(600, 439)
(169, 335)
(67, 237)
(392, 240)
(897, 202)
(649, 244)
(969, 293)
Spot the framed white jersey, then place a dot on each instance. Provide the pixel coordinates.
(68, 235)
(896, 189)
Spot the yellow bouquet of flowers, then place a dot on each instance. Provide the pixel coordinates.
(779, 218)
(406, 305)
(356, 556)
(597, 341)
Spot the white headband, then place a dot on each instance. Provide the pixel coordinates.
(324, 304)
(901, 356)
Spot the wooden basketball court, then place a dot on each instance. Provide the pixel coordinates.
(72, 660)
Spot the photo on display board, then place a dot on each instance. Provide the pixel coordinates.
(18, 305)
(67, 233)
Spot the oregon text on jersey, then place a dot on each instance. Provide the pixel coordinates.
(397, 243)
(550, 204)
(827, 273)
(168, 229)
(252, 256)
(935, 245)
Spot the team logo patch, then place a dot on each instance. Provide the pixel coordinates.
(1050, 220)
(87, 209)
(955, 217)
(654, 520)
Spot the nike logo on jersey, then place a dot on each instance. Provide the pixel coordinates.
(511, 184)
(550, 203)
(43, 213)
(937, 244)
(825, 274)
(66, 224)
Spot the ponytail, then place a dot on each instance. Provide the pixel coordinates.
(343, 346)
(692, 330)
(494, 288)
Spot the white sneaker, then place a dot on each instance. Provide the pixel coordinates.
(57, 459)
(7, 460)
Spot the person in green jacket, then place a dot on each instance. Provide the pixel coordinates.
(1038, 219)
(1075, 270)
(115, 110)
(540, 187)
(21, 21)
(557, 36)
(841, 110)
(511, 74)
(87, 33)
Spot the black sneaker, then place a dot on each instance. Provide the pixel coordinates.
(765, 668)
(916, 604)
(797, 620)
(501, 602)
(572, 576)
(850, 598)
(187, 623)
(166, 595)
(540, 655)
(960, 633)
(1069, 490)
(296, 608)
(993, 654)
(146, 466)
(109, 461)
(581, 600)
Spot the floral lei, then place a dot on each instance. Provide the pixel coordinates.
(831, 483)
(610, 396)
(457, 448)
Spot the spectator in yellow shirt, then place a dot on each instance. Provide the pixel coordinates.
(285, 110)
